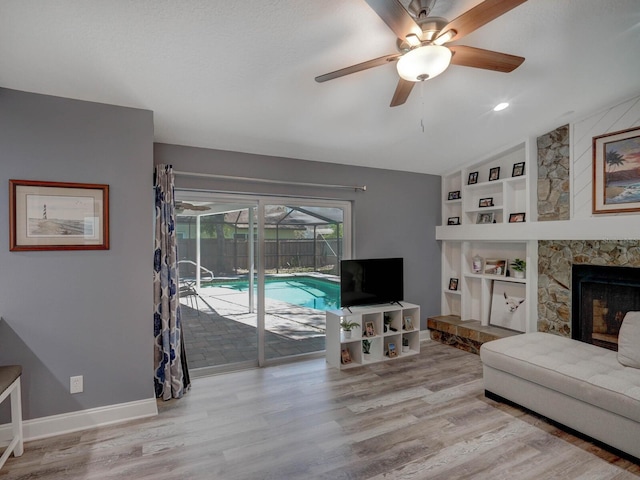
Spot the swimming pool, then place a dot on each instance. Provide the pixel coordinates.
(307, 292)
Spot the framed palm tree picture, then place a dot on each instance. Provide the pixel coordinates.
(616, 172)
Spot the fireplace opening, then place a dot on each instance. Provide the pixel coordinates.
(601, 297)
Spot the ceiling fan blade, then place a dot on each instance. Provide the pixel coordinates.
(402, 92)
(396, 17)
(487, 59)
(476, 17)
(376, 62)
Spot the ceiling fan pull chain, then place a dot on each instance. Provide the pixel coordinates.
(422, 100)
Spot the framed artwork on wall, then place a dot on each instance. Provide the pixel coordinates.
(58, 216)
(616, 172)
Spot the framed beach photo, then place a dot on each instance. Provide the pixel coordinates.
(616, 172)
(494, 174)
(518, 169)
(473, 178)
(58, 216)
(392, 350)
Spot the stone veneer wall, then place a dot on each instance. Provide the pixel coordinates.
(555, 258)
(553, 175)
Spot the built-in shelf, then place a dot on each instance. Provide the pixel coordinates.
(498, 240)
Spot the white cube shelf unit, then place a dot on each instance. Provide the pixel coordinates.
(336, 340)
(503, 196)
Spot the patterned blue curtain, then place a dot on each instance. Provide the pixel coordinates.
(171, 377)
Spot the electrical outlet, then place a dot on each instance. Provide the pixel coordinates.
(76, 384)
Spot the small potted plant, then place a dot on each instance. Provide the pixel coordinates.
(347, 326)
(518, 267)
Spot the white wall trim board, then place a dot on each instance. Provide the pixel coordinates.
(53, 425)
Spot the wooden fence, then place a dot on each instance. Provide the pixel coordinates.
(230, 256)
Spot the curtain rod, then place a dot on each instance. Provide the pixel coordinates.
(275, 182)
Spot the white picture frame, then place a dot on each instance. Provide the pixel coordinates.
(508, 306)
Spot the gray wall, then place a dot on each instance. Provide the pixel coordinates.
(396, 216)
(79, 312)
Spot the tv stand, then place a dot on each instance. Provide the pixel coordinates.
(403, 323)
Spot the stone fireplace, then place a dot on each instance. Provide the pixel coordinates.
(556, 261)
(601, 297)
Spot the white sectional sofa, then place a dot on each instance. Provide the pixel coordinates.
(576, 384)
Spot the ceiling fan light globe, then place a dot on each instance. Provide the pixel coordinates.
(423, 63)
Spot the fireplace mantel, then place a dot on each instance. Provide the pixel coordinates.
(618, 227)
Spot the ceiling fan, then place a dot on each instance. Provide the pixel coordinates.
(421, 43)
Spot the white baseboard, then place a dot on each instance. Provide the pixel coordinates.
(425, 335)
(44, 427)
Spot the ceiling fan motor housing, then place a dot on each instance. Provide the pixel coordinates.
(431, 27)
(421, 8)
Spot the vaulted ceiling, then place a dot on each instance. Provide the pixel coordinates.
(239, 75)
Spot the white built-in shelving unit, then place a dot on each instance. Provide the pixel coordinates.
(508, 195)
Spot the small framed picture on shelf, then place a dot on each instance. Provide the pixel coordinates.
(516, 217)
(453, 284)
(408, 323)
(518, 169)
(345, 356)
(494, 174)
(485, 202)
(455, 195)
(392, 350)
(369, 330)
(485, 218)
(495, 266)
(473, 178)
(453, 221)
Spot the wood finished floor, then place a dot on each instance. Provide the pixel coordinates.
(425, 417)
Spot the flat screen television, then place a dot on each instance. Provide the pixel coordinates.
(371, 281)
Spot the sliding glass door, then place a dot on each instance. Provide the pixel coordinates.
(217, 270)
(257, 275)
(303, 245)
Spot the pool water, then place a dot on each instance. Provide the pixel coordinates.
(302, 291)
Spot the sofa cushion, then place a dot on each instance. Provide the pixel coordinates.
(580, 370)
(629, 340)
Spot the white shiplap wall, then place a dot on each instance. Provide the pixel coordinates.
(619, 117)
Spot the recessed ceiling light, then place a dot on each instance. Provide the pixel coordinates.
(500, 106)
